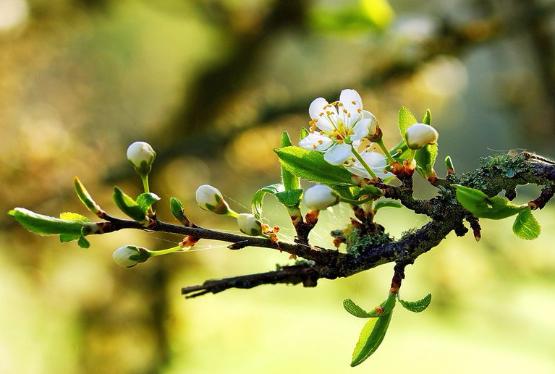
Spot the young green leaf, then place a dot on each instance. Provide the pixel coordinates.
(75, 217)
(45, 225)
(177, 210)
(128, 205)
(290, 198)
(83, 243)
(386, 203)
(416, 306)
(85, 196)
(406, 119)
(289, 181)
(310, 165)
(427, 117)
(526, 226)
(482, 206)
(425, 160)
(146, 200)
(258, 198)
(351, 307)
(370, 338)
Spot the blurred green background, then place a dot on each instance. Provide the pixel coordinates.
(211, 84)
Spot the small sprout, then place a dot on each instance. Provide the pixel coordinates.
(320, 197)
(211, 199)
(130, 255)
(141, 155)
(248, 224)
(420, 135)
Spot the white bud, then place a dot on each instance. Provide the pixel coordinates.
(130, 255)
(419, 135)
(248, 224)
(141, 155)
(320, 197)
(210, 198)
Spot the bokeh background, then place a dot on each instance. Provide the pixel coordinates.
(211, 84)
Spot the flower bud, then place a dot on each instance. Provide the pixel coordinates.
(419, 135)
(210, 198)
(141, 155)
(248, 224)
(130, 255)
(320, 197)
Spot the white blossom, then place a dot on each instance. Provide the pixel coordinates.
(210, 198)
(375, 160)
(335, 125)
(141, 155)
(248, 224)
(129, 256)
(419, 135)
(319, 197)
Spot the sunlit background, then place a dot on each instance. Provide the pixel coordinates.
(211, 84)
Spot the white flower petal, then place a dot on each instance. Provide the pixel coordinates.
(350, 99)
(377, 163)
(338, 154)
(315, 141)
(351, 107)
(367, 125)
(317, 107)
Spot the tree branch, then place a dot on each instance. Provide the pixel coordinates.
(503, 172)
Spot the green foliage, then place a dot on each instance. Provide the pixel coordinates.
(176, 208)
(45, 225)
(85, 196)
(258, 198)
(383, 203)
(482, 206)
(425, 160)
(406, 119)
(416, 306)
(290, 198)
(355, 310)
(526, 226)
(427, 119)
(373, 333)
(289, 181)
(146, 200)
(310, 165)
(128, 205)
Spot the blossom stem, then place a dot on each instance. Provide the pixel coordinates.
(386, 151)
(165, 251)
(363, 163)
(144, 179)
(357, 202)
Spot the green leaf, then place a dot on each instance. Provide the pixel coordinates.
(45, 225)
(427, 117)
(83, 243)
(290, 198)
(526, 226)
(370, 338)
(177, 210)
(304, 133)
(65, 238)
(416, 306)
(85, 196)
(482, 206)
(425, 160)
(351, 307)
(258, 198)
(310, 165)
(406, 119)
(386, 203)
(75, 217)
(128, 205)
(289, 181)
(449, 163)
(146, 200)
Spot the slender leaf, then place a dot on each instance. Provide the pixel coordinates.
(416, 306)
(310, 165)
(406, 119)
(128, 205)
(289, 181)
(146, 200)
(351, 307)
(482, 206)
(290, 198)
(45, 225)
(371, 337)
(386, 203)
(258, 198)
(425, 159)
(427, 117)
(85, 196)
(526, 226)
